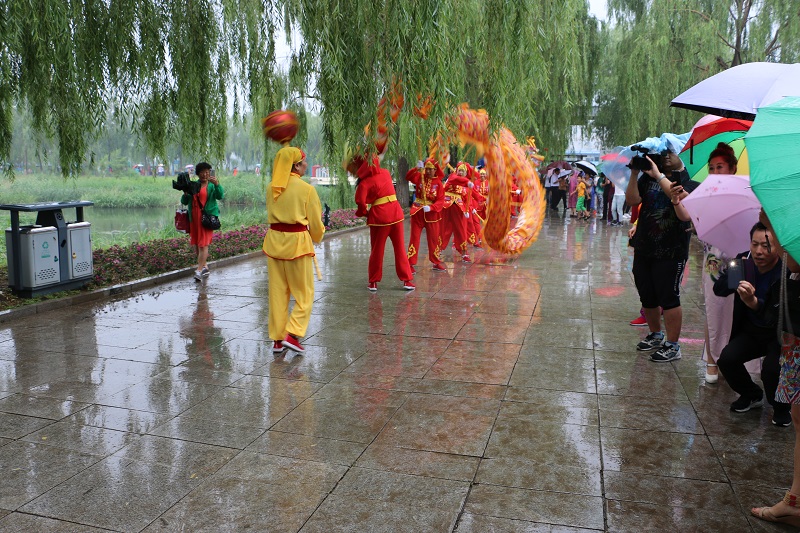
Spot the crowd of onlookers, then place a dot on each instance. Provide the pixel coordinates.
(585, 195)
(738, 340)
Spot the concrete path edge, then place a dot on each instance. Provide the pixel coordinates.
(133, 286)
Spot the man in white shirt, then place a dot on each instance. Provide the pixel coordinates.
(617, 206)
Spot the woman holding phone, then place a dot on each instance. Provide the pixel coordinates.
(719, 310)
(204, 200)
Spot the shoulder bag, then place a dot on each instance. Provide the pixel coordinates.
(209, 221)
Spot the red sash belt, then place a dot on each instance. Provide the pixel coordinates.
(288, 228)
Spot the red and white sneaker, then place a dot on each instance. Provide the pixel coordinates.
(277, 347)
(409, 285)
(439, 267)
(466, 259)
(639, 321)
(373, 287)
(413, 269)
(293, 344)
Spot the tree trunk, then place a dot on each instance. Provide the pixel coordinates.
(401, 189)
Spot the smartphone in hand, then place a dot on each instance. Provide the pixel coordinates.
(735, 273)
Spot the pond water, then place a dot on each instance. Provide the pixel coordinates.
(119, 220)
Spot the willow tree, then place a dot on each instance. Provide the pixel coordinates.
(527, 63)
(168, 69)
(657, 50)
(165, 68)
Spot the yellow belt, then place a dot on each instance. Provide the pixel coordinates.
(423, 202)
(385, 200)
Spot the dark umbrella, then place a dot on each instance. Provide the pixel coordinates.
(559, 164)
(739, 91)
(587, 167)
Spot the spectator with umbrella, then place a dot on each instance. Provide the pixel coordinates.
(773, 141)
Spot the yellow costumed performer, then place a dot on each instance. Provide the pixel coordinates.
(294, 214)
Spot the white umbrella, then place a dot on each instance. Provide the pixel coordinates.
(739, 91)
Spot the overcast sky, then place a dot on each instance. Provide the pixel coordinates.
(598, 9)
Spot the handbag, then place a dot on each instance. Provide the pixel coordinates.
(209, 221)
(182, 220)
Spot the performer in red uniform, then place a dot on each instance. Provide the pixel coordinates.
(477, 201)
(426, 212)
(376, 200)
(456, 210)
(516, 197)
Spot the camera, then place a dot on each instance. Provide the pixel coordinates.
(185, 184)
(640, 162)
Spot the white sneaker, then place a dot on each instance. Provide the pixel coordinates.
(198, 276)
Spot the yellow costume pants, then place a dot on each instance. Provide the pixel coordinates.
(293, 277)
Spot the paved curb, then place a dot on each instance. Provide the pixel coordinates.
(133, 286)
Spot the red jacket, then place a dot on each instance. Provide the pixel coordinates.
(428, 192)
(375, 196)
(456, 191)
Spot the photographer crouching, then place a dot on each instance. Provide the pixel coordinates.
(750, 277)
(660, 244)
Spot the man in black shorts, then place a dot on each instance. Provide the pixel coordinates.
(661, 248)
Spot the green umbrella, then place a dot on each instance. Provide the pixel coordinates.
(773, 144)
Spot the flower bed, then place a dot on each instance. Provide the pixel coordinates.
(345, 218)
(119, 264)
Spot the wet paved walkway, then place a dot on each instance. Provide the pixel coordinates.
(504, 397)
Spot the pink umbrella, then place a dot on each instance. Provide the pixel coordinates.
(724, 209)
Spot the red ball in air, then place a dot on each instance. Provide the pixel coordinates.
(280, 126)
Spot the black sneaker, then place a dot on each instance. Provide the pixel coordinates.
(651, 342)
(744, 404)
(667, 353)
(782, 418)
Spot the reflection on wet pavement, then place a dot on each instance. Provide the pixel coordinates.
(503, 395)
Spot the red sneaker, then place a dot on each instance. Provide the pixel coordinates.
(466, 259)
(277, 347)
(439, 267)
(413, 269)
(409, 285)
(639, 321)
(373, 287)
(293, 344)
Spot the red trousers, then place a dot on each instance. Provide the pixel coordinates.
(431, 232)
(454, 223)
(377, 239)
(474, 229)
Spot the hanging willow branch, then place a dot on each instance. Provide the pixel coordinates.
(169, 68)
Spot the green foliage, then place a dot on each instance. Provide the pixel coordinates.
(657, 50)
(123, 190)
(166, 68)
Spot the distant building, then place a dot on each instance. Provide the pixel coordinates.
(582, 145)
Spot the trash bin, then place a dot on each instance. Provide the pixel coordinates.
(52, 255)
(38, 256)
(79, 250)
